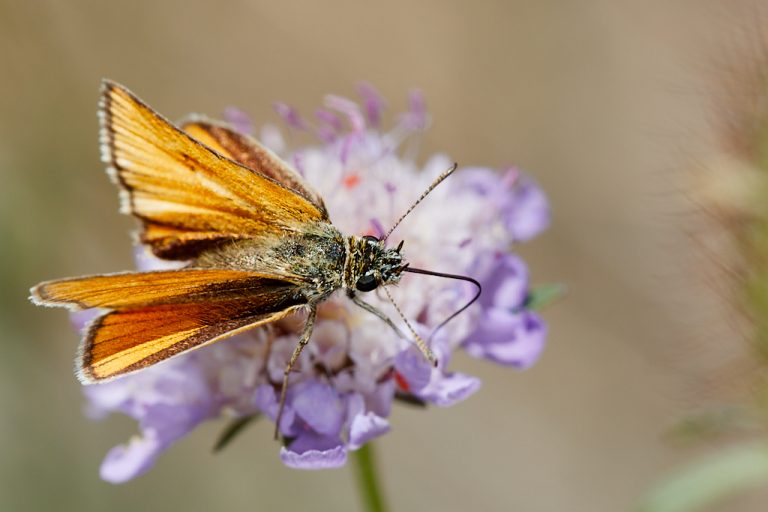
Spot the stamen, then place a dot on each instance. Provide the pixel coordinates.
(290, 116)
(374, 103)
(351, 180)
(378, 229)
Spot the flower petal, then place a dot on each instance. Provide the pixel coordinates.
(514, 339)
(265, 399)
(314, 459)
(320, 406)
(80, 319)
(414, 368)
(480, 180)
(172, 421)
(365, 427)
(146, 261)
(127, 461)
(380, 400)
(450, 389)
(506, 284)
(271, 137)
(528, 213)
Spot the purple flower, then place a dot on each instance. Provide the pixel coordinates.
(515, 339)
(341, 393)
(528, 213)
(313, 458)
(330, 126)
(521, 203)
(239, 120)
(290, 115)
(168, 400)
(416, 118)
(373, 102)
(349, 109)
(324, 425)
(507, 333)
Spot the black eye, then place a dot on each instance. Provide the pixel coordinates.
(371, 238)
(367, 283)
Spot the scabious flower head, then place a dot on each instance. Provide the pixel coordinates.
(355, 366)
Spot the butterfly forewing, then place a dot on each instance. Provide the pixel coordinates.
(133, 289)
(188, 196)
(156, 315)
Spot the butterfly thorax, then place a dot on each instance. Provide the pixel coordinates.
(313, 258)
(369, 264)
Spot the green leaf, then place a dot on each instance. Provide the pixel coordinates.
(232, 430)
(543, 295)
(710, 480)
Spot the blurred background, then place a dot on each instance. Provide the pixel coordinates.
(606, 103)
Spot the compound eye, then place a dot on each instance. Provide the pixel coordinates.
(371, 238)
(367, 283)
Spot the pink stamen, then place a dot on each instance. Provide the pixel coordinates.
(290, 115)
(350, 109)
(377, 228)
(373, 102)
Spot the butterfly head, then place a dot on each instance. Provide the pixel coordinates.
(371, 264)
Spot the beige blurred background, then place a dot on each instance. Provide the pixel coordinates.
(605, 102)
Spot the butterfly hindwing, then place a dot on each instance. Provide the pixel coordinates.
(248, 152)
(124, 341)
(188, 196)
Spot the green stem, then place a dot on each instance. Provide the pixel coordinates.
(367, 481)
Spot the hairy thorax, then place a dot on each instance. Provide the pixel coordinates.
(313, 259)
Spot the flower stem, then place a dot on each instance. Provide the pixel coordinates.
(367, 479)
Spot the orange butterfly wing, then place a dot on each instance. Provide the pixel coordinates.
(248, 152)
(157, 315)
(188, 196)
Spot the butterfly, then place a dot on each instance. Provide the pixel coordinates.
(257, 239)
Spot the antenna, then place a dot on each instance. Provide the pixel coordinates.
(447, 276)
(430, 188)
(418, 339)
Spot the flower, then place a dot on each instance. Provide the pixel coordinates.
(507, 333)
(355, 367)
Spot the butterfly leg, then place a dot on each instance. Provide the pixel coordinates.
(305, 335)
(371, 309)
(428, 354)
